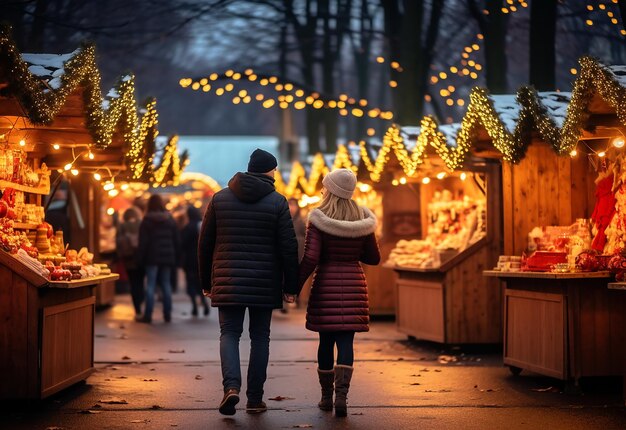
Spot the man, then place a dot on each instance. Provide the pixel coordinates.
(248, 259)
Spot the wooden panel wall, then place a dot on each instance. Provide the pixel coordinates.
(544, 189)
(13, 338)
(473, 302)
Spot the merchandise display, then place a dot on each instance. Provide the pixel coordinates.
(453, 225)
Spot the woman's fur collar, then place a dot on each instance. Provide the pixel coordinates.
(338, 228)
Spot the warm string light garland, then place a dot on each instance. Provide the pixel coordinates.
(289, 94)
(612, 15)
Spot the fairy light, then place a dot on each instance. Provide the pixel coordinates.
(22, 142)
(56, 146)
(74, 172)
(97, 176)
(618, 142)
(67, 167)
(426, 180)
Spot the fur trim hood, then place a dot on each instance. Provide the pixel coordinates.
(339, 228)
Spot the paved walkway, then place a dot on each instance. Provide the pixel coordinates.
(164, 376)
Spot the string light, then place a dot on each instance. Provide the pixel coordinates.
(22, 142)
(97, 176)
(74, 172)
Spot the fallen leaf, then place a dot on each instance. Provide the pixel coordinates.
(150, 380)
(176, 351)
(114, 401)
(126, 357)
(438, 391)
(122, 377)
(400, 358)
(416, 383)
(545, 390)
(199, 377)
(292, 410)
(416, 375)
(152, 370)
(437, 370)
(444, 359)
(90, 412)
(156, 407)
(281, 398)
(114, 368)
(140, 421)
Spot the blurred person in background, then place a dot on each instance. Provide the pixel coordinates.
(127, 244)
(159, 246)
(189, 259)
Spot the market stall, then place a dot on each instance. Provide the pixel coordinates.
(444, 233)
(55, 129)
(560, 319)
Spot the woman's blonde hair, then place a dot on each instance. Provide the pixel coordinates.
(340, 209)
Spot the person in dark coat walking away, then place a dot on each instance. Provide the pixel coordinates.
(248, 259)
(158, 250)
(127, 243)
(340, 235)
(189, 259)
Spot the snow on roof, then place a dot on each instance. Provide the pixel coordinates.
(556, 105)
(411, 130)
(48, 67)
(508, 110)
(450, 131)
(619, 72)
(355, 153)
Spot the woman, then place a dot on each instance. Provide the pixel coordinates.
(340, 234)
(189, 259)
(127, 241)
(158, 248)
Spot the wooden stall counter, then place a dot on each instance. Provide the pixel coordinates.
(46, 331)
(621, 287)
(563, 325)
(450, 304)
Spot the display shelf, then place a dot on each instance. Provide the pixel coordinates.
(547, 275)
(95, 280)
(617, 286)
(25, 225)
(25, 188)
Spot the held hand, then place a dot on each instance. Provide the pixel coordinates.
(289, 298)
(206, 293)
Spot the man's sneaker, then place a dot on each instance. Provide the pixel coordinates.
(231, 398)
(256, 408)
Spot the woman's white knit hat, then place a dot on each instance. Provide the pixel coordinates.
(340, 182)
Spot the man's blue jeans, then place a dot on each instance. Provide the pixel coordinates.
(231, 327)
(162, 276)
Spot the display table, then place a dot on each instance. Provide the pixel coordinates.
(46, 331)
(563, 325)
(452, 304)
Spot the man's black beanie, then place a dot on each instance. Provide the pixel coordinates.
(261, 162)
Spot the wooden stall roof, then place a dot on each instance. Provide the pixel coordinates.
(48, 99)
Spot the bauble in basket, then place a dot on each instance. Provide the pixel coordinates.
(587, 261)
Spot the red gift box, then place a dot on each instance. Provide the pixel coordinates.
(542, 261)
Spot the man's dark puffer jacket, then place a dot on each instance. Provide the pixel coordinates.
(247, 253)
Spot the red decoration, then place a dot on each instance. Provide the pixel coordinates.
(587, 261)
(603, 211)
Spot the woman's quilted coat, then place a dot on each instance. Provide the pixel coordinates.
(334, 250)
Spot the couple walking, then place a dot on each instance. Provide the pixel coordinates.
(248, 258)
